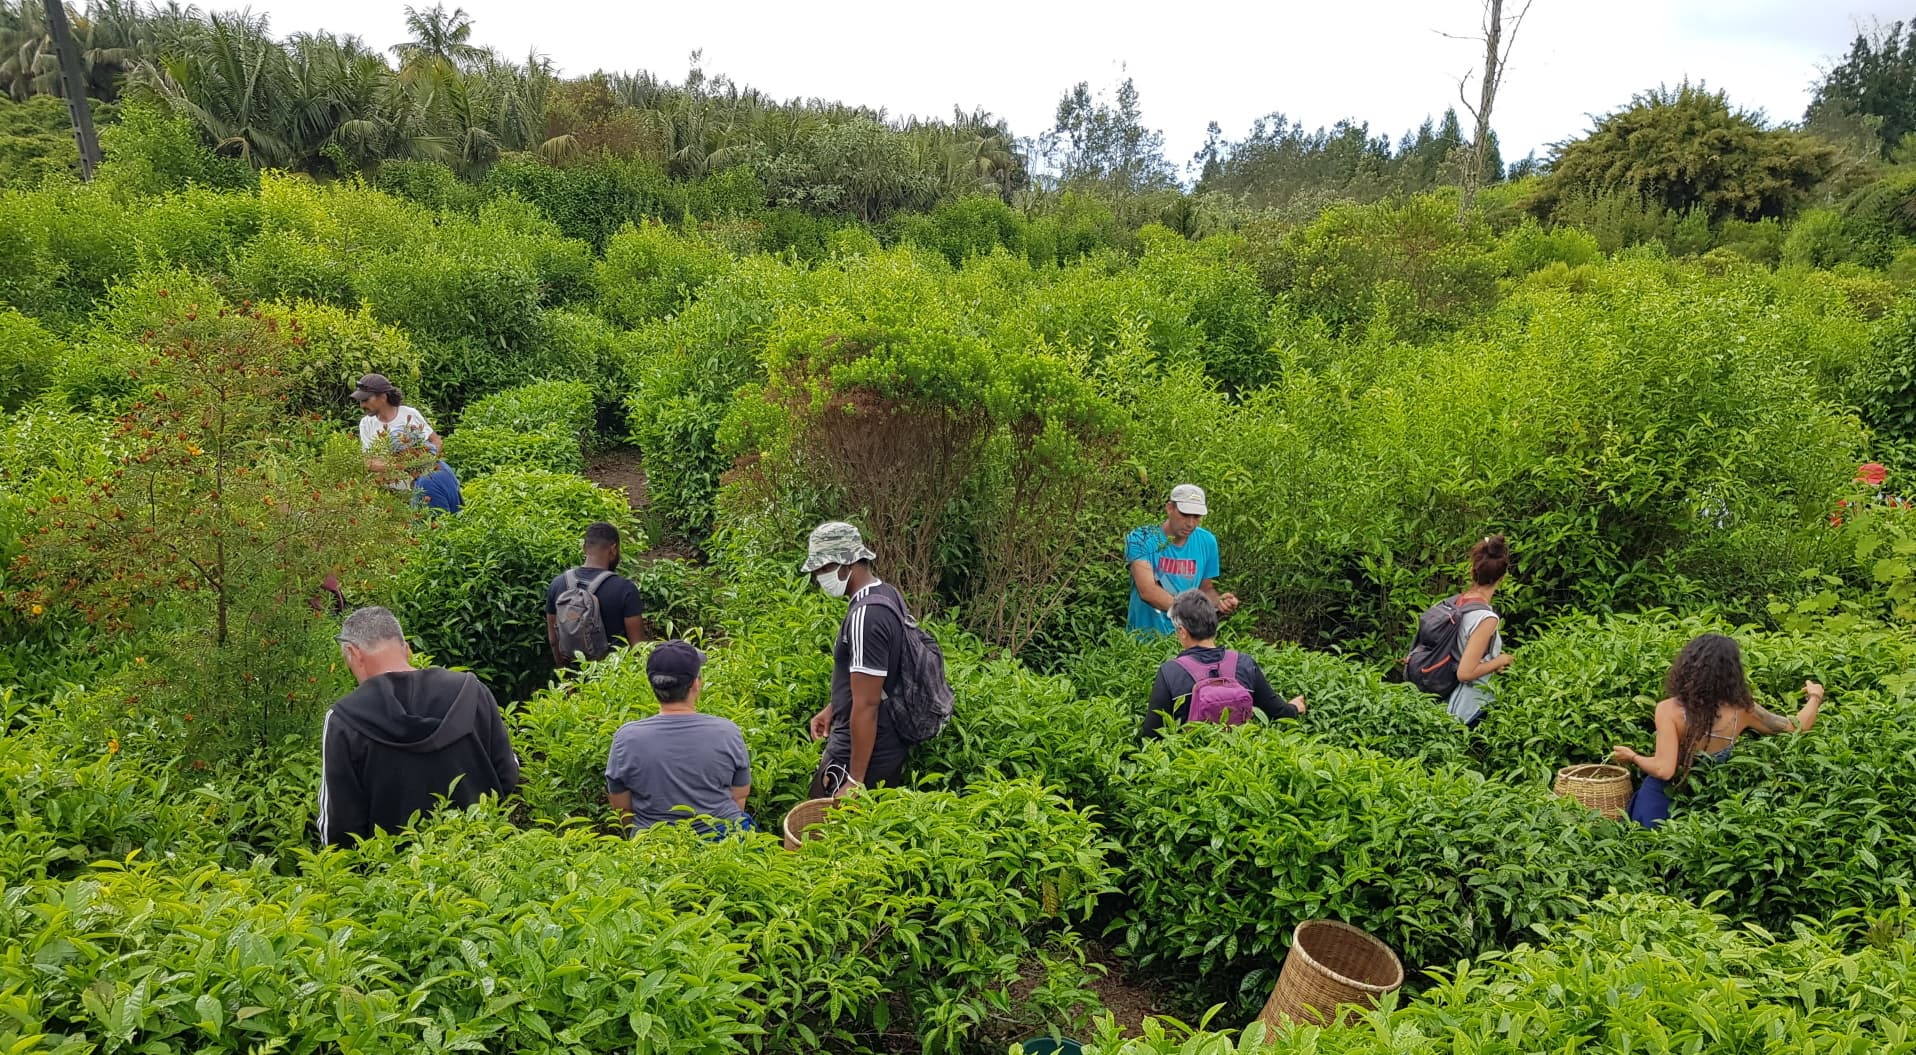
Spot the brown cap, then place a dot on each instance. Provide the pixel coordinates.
(373, 385)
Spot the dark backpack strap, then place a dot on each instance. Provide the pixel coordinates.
(604, 574)
(881, 597)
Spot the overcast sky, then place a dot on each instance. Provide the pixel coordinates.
(1381, 61)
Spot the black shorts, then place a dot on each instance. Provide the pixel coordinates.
(886, 767)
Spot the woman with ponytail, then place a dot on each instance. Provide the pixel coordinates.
(1706, 706)
(1482, 653)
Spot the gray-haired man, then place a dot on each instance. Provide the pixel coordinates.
(404, 737)
(861, 747)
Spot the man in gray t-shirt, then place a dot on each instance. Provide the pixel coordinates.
(679, 764)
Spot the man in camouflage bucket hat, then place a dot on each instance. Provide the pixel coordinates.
(861, 747)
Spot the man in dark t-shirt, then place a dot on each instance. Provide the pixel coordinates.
(861, 747)
(618, 598)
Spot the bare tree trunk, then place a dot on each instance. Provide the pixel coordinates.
(1480, 138)
(1497, 45)
(73, 85)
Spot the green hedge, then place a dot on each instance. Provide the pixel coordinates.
(1233, 836)
(1636, 974)
(475, 450)
(474, 592)
(472, 934)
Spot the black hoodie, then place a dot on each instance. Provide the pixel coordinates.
(398, 740)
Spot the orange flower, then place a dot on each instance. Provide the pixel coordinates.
(113, 746)
(39, 609)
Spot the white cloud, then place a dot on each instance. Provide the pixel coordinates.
(1382, 61)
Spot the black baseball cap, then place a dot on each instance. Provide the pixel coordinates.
(372, 385)
(676, 659)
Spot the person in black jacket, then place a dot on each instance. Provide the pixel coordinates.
(1194, 618)
(404, 737)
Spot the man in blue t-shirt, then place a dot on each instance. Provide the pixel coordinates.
(1170, 558)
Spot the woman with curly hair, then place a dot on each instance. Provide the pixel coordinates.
(1706, 706)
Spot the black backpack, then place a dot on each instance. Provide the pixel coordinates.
(919, 702)
(1432, 664)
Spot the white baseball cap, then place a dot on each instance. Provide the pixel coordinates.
(1189, 498)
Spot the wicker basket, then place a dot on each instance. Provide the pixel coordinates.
(1603, 788)
(1330, 965)
(804, 817)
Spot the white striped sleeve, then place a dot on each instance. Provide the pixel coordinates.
(324, 728)
(866, 660)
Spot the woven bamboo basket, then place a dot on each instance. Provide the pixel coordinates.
(803, 817)
(1604, 788)
(1330, 965)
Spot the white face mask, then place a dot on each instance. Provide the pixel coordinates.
(829, 582)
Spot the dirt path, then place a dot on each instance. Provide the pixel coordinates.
(624, 467)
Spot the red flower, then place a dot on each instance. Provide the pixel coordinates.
(1871, 473)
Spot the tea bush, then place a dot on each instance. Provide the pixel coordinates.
(1588, 684)
(28, 355)
(1805, 825)
(680, 374)
(475, 450)
(565, 406)
(564, 733)
(1636, 973)
(474, 592)
(456, 934)
(648, 272)
(1236, 835)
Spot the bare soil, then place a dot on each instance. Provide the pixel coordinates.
(623, 467)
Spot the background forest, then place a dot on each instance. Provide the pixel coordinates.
(1674, 360)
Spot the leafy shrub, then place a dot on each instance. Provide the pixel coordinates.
(648, 272)
(428, 183)
(149, 151)
(566, 407)
(590, 202)
(455, 935)
(195, 228)
(1532, 247)
(965, 228)
(543, 425)
(1409, 262)
(28, 356)
(211, 531)
(1225, 304)
(475, 450)
(680, 374)
(1804, 825)
(1636, 973)
(1236, 835)
(474, 592)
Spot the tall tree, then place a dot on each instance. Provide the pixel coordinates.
(1688, 148)
(1877, 79)
(1499, 36)
(1105, 143)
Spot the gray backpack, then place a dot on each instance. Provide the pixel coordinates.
(576, 615)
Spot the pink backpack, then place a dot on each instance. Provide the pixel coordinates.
(1216, 695)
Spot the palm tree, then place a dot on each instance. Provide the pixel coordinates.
(234, 82)
(441, 42)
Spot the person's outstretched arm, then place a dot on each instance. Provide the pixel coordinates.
(1769, 724)
(1264, 697)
